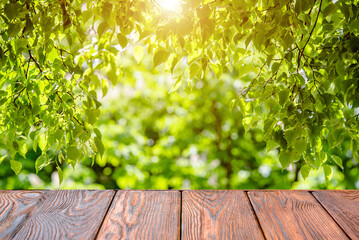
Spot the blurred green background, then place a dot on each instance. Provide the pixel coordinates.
(186, 139)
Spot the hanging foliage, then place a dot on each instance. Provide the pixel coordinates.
(298, 60)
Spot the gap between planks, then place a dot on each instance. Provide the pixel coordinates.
(255, 214)
(311, 193)
(180, 221)
(104, 217)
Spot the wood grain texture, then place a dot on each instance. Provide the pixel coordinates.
(143, 215)
(218, 215)
(343, 206)
(67, 214)
(293, 215)
(15, 208)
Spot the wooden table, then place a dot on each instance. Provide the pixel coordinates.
(197, 214)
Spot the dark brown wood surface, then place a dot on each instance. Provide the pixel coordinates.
(65, 214)
(143, 215)
(218, 215)
(15, 208)
(293, 215)
(343, 206)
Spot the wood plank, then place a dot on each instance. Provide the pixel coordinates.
(343, 206)
(293, 215)
(218, 215)
(143, 215)
(15, 208)
(67, 214)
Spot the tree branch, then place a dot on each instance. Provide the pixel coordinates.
(310, 34)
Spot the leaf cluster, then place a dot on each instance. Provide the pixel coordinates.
(299, 60)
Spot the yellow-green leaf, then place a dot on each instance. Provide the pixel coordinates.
(122, 39)
(2, 158)
(159, 57)
(328, 171)
(60, 173)
(231, 105)
(194, 70)
(73, 153)
(41, 162)
(338, 161)
(176, 85)
(42, 141)
(15, 166)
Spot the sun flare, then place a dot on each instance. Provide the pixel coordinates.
(170, 5)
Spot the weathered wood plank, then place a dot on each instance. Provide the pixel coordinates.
(293, 215)
(143, 215)
(343, 206)
(15, 208)
(72, 214)
(218, 215)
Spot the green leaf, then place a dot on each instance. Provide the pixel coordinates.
(283, 97)
(339, 66)
(97, 132)
(306, 4)
(92, 115)
(271, 144)
(330, 9)
(60, 173)
(173, 64)
(290, 136)
(22, 148)
(13, 29)
(42, 141)
(177, 84)
(305, 169)
(231, 105)
(321, 157)
(275, 67)
(298, 6)
(300, 78)
(2, 158)
(300, 145)
(122, 39)
(194, 70)
(41, 162)
(15, 166)
(11, 10)
(73, 153)
(102, 27)
(159, 57)
(338, 161)
(106, 11)
(99, 145)
(309, 159)
(328, 171)
(285, 159)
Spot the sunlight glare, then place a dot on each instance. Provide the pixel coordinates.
(170, 5)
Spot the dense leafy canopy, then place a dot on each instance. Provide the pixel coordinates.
(297, 62)
(156, 140)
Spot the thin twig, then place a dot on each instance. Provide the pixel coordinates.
(310, 34)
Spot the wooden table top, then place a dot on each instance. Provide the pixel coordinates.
(193, 214)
